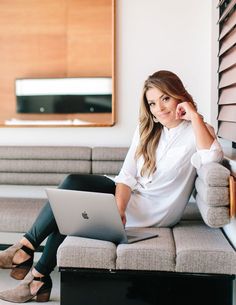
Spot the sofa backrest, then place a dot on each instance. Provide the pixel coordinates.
(41, 165)
(108, 160)
(48, 165)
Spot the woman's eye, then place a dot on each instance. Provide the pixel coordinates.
(151, 104)
(166, 99)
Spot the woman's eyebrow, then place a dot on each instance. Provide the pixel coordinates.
(159, 98)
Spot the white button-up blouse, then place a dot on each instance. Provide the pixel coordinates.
(160, 199)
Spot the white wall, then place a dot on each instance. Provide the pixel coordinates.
(151, 35)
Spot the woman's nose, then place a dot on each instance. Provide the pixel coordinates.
(159, 106)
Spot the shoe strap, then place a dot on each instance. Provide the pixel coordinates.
(42, 279)
(27, 250)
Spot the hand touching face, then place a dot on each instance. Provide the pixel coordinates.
(185, 111)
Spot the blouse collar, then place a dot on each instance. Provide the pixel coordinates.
(174, 130)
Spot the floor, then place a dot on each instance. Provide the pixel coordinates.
(7, 282)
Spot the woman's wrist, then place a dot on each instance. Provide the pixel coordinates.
(121, 208)
(195, 116)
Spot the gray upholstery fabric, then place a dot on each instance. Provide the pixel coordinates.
(153, 254)
(201, 249)
(191, 211)
(212, 195)
(214, 216)
(46, 152)
(23, 191)
(109, 153)
(86, 253)
(26, 211)
(106, 167)
(25, 201)
(31, 178)
(45, 166)
(214, 174)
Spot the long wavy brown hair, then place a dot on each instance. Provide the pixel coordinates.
(150, 132)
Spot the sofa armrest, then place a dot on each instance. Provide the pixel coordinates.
(213, 200)
(232, 196)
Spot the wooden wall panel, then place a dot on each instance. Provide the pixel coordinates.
(56, 38)
(90, 38)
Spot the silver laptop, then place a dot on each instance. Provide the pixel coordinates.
(91, 215)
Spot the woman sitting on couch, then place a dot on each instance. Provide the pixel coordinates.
(152, 188)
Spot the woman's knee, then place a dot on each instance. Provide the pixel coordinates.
(69, 182)
(88, 182)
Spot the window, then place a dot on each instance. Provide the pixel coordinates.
(227, 71)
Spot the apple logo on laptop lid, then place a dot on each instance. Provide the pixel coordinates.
(85, 215)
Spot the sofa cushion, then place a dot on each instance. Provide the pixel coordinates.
(213, 216)
(201, 249)
(38, 179)
(214, 174)
(108, 160)
(106, 167)
(25, 201)
(45, 166)
(157, 253)
(46, 152)
(109, 153)
(23, 191)
(42, 165)
(212, 195)
(81, 252)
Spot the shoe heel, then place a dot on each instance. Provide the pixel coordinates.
(43, 296)
(19, 273)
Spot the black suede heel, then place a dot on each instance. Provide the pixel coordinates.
(44, 292)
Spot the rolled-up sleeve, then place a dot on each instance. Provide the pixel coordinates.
(128, 171)
(203, 156)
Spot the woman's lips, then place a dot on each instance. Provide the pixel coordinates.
(163, 114)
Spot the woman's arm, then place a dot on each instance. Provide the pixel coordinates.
(126, 180)
(204, 137)
(123, 193)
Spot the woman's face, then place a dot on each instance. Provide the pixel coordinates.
(163, 107)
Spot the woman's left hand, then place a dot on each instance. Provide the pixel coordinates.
(185, 111)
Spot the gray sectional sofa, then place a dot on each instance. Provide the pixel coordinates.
(191, 263)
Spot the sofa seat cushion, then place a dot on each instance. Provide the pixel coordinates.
(78, 252)
(25, 201)
(201, 249)
(23, 191)
(157, 253)
(32, 178)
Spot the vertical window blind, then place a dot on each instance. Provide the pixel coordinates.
(227, 70)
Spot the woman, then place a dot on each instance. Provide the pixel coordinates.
(152, 188)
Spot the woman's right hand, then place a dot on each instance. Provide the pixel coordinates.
(123, 218)
(123, 193)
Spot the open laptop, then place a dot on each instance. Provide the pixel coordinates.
(91, 215)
